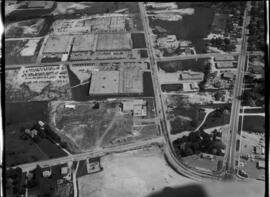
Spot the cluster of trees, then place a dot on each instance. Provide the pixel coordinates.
(256, 38)
(43, 132)
(223, 44)
(254, 97)
(15, 182)
(206, 76)
(197, 142)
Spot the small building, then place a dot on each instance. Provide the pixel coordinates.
(137, 107)
(190, 75)
(257, 150)
(42, 124)
(93, 165)
(261, 164)
(70, 106)
(194, 86)
(228, 75)
(46, 172)
(207, 156)
(64, 170)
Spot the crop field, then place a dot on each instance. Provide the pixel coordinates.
(22, 52)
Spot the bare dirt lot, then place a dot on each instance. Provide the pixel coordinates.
(132, 174)
(83, 125)
(85, 128)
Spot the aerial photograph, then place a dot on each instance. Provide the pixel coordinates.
(134, 99)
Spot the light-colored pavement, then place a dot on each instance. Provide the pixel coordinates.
(230, 161)
(89, 154)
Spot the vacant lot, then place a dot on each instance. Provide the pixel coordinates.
(14, 51)
(254, 124)
(217, 118)
(21, 150)
(25, 28)
(202, 163)
(133, 174)
(84, 125)
(138, 40)
(198, 66)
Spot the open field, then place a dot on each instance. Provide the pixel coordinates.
(202, 163)
(141, 172)
(83, 125)
(22, 149)
(87, 127)
(27, 28)
(252, 171)
(254, 124)
(22, 51)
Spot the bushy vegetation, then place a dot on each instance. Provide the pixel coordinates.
(198, 142)
(255, 96)
(256, 38)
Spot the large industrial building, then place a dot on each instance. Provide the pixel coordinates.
(115, 41)
(57, 45)
(116, 82)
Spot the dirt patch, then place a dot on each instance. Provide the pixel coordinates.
(134, 173)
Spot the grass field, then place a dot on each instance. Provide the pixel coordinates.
(258, 110)
(198, 66)
(254, 124)
(138, 40)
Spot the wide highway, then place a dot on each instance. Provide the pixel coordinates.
(169, 150)
(230, 161)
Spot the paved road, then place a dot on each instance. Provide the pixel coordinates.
(197, 56)
(161, 108)
(236, 105)
(76, 62)
(91, 154)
